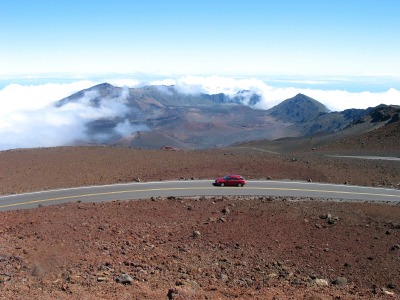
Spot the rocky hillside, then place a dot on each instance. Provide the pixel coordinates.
(370, 135)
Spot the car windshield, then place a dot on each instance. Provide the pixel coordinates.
(226, 177)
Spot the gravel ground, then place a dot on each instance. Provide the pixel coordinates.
(29, 170)
(197, 248)
(201, 248)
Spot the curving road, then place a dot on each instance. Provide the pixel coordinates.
(367, 157)
(146, 190)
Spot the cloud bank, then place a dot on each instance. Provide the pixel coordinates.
(29, 117)
(335, 100)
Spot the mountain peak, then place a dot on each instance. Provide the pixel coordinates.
(305, 98)
(103, 85)
(300, 95)
(300, 108)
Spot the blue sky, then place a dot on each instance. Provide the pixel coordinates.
(219, 37)
(343, 53)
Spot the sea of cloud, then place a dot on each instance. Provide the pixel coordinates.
(333, 99)
(30, 118)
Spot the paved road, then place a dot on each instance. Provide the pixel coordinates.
(368, 157)
(146, 190)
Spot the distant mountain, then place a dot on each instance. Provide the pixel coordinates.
(298, 109)
(309, 116)
(382, 113)
(152, 116)
(330, 122)
(157, 116)
(384, 136)
(167, 96)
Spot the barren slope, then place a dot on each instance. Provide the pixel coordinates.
(215, 248)
(199, 248)
(48, 168)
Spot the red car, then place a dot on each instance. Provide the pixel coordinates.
(230, 180)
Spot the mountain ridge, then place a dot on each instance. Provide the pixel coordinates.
(196, 121)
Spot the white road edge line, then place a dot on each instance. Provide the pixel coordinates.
(174, 181)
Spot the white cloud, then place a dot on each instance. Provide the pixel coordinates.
(216, 84)
(340, 100)
(166, 82)
(33, 97)
(335, 100)
(30, 118)
(130, 83)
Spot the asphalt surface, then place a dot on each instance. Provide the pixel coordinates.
(368, 157)
(146, 190)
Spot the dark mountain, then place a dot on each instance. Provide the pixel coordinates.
(158, 116)
(382, 113)
(242, 97)
(101, 91)
(309, 116)
(298, 109)
(330, 122)
(376, 129)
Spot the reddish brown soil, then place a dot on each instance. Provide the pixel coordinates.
(48, 168)
(384, 140)
(245, 248)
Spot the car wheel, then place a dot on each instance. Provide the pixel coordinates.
(222, 184)
(239, 184)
